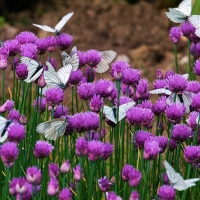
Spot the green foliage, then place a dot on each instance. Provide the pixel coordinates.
(2, 21)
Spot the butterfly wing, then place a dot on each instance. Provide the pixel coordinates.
(187, 100)
(64, 73)
(45, 28)
(108, 111)
(107, 57)
(161, 91)
(63, 21)
(124, 108)
(175, 16)
(3, 133)
(52, 129)
(190, 182)
(185, 7)
(195, 21)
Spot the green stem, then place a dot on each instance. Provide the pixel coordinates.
(2, 87)
(175, 56)
(6, 183)
(189, 60)
(91, 181)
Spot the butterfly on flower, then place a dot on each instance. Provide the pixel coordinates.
(4, 124)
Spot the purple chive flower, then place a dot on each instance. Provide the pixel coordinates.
(60, 111)
(112, 196)
(175, 34)
(89, 77)
(9, 152)
(27, 195)
(93, 57)
(172, 145)
(187, 29)
(194, 38)
(14, 115)
(159, 83)
(169, 73)
(96, 103)
(142, 89)
(193, 86)
(151, 148)
(29, 50)
(197, 67)
(106, 151)
(7, 106)
(195, 102)
(131, 76)
(104, 184)
(177, 83)
(166, 192)
(51, 43)
(140, 116)
(145, 104)
(40, 104)
(21, 71)
(175, 112)
(192, 154)
(33, 175)
(163, 177)
(81, 146)
(92, 136)
(65, 167)
(12, 46)
(85, 121)
(195, 50)
(140, 137)
(26, 37)
(104, 87)
(192, 120)
(159, 74)
(41, 81)
(124, 100)
(41, 44)
(3, 62)
(134, 177)
(42, 149)
(125, 171)
(127, 90)
(78, 173)
(4, 52)
(21, 185)
(64, 40)
(65, 194)
(86, 91)
(159, 106)
(82, 59)
(134, 195)
(162, 142)
(53, 170)
(53, 187)
(75, 77)
(94, 149)
(52, 61)
(113, 95)
(23, 119)
(118, 68)
(12, 186)
(54, 96)
(16, 132)
(69, 128)
(181, 132)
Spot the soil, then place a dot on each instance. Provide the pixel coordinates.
(134, 31)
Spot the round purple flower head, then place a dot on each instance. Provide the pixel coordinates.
(41, 81)
(172, 145)
(7, 106)
(175, 34)
(195, 102)
(42, 149)
(64, 40)
(14, 115)
(96, 103)
(192, 154)
(175, 112)
(65, 194)
(89, 74)
(195, 50)
(16, 132)
(51, 43)
(26, 37)
(54, 96)
(181, 132)
(118, 68)
(193, 86)
(145, 104)
(104, 184)
(187, 29)
(85, 121)
(9, 152)
(104, 87)
(29, 50)
(124, 99)
(75, 77)
(134, 196)
(21, 71)
(159, 83)
(169, 73)
(4, 52)
(12, 46)
(41, 44)
(191, 121)
(134, 177)
(53, 170)
(159, 106)
(33, 175)
(53, 187)
(12, 186)
(82, 58)
(94, 149)
(93, 57)
(40, 104)
(162, 142)
(151, 149)
(166, 192)
(197, 67)
(78, 173)
(140, 137)
(142, 90)
(86, 91)
(81, 146)
(60, 111)
(131, 76)
(65, 167)
(106, 151)
(21, 185)
(3, 62)
(112, 196)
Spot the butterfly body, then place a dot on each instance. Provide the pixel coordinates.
(115, 112)
(4, 124)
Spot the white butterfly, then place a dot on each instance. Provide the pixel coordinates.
(52, 129)
(35, 69)
(164, 90)
(176, 180)
(111, 113)
(58, 27)
(4, 124)
(180, 14)
(107, 57)
(195, 21)
(72, 59)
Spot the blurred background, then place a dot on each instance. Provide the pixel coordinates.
(132, 28)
